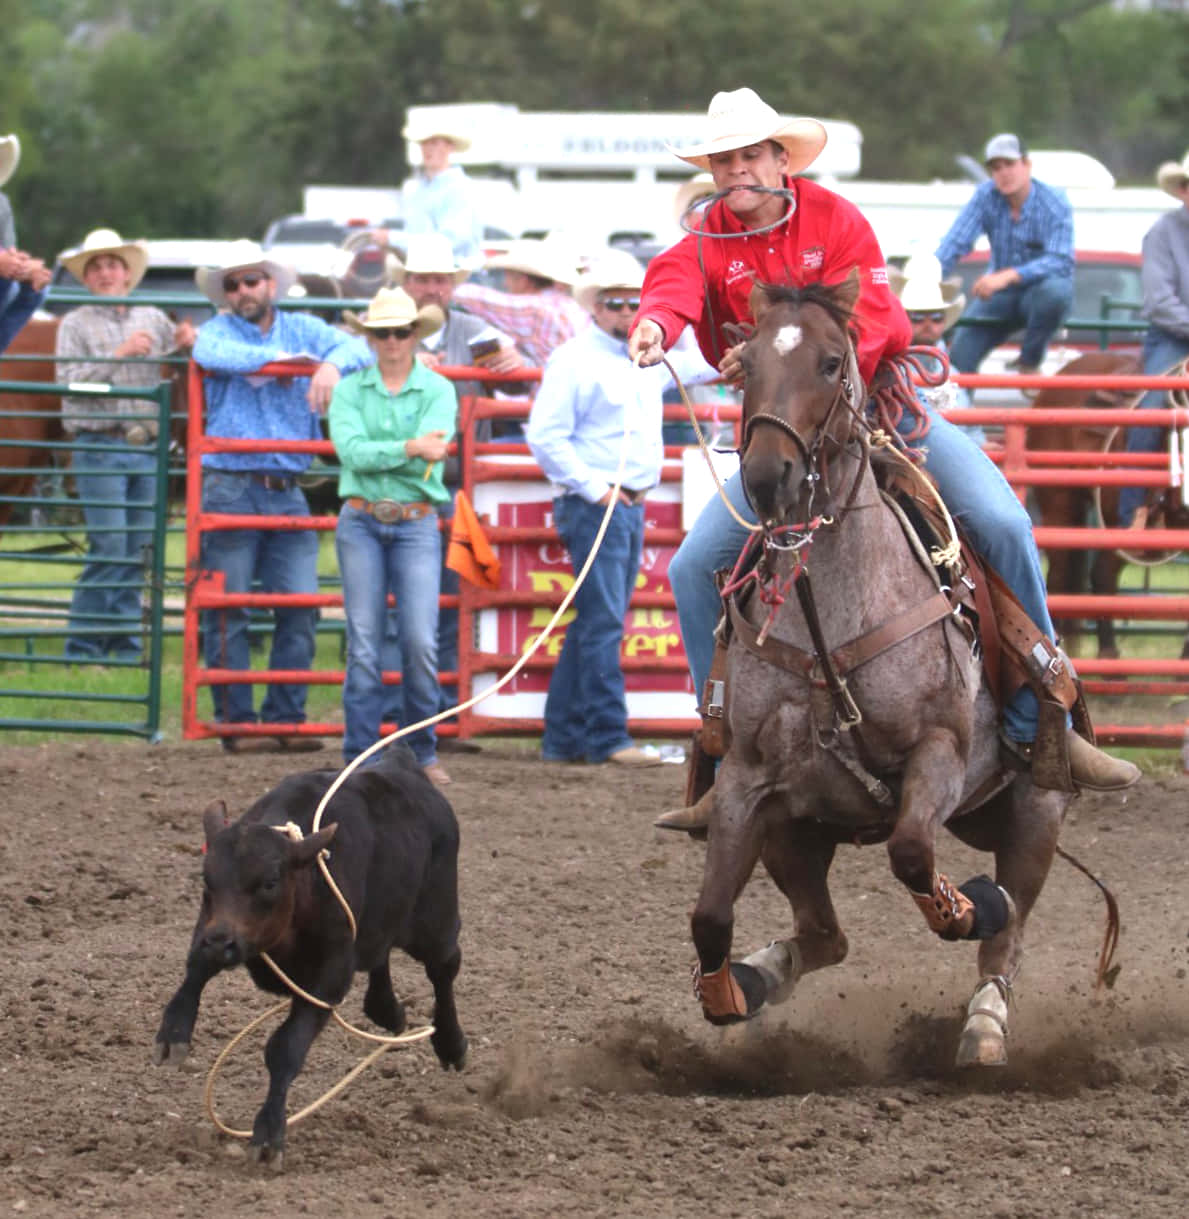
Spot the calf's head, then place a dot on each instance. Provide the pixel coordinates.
(250, 882)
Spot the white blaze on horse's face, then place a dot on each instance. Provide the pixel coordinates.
(787, 338)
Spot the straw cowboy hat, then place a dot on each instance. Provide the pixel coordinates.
(1171, 177)
(691, 191)
(10, 156)
(135, 254)
(544, 259)
(922, 290)
(395, 307)
(615, 269)
(243, 255)
(431, 254)
(738, 119)
(419, 129)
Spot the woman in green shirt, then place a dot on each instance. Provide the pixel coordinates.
(391, 424)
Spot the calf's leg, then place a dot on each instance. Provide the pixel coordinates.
(380, 1003)
(284, 1055)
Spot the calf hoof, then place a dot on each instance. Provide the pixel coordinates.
(451, 1050)
(170, 1053)
(274, 1157)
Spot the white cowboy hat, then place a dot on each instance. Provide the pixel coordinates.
(430, 254)
(692, 191)
(135, 254)
(738, 119)
(243, 255)
(1171, 177)
(10, 156)
(922, 290)
(615, 269)
(395, 307)
(543, 258)
(420, 129)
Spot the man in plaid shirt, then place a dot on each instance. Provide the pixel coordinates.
(1029, 284)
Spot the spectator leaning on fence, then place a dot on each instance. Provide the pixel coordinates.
(115, 474)
(1029, 284)
(249, 332)
(391, 424)
(1166, 308)
(23, 278)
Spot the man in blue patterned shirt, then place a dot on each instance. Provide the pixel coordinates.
(1029, 284)
(249, 333)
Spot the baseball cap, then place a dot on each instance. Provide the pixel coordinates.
(1004, 147)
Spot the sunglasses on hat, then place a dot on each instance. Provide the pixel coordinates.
(390, 332)
(250, 279)
(917, 318)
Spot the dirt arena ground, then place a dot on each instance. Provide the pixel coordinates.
(594, 1086)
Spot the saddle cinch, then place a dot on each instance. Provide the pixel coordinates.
(1014, 649)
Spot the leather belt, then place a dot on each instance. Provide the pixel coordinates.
(634, 497)
(273, 482)
(389, 511)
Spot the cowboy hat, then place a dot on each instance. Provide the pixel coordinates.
(10, 156)
(542, 258)
(615, 269)
(243, 255)
(419, 129)
(134, 254)
(395, 307)
(741, 118)
(430, 254)
(922, 290)
(1171, 177)
(692, 190)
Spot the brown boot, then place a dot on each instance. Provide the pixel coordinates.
(1098, 771)
(694, 819)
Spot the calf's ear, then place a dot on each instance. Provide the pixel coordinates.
(307, 849)
(214, 819)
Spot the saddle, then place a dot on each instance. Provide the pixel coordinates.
(1013, 649)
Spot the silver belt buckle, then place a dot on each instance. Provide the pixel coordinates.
(387, 511)
(136, 433)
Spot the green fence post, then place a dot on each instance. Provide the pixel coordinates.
(161, 396)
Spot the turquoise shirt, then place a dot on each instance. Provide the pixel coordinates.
(369, 427)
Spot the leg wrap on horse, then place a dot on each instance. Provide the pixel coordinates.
(947, 910)
(992, 908)
(730, 994)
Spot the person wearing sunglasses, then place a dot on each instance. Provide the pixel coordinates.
(248, 332)
(391, 424)
(589, 394)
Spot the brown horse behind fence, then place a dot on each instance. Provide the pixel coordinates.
(36, 338)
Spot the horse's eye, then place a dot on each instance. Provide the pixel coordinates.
(831, 365)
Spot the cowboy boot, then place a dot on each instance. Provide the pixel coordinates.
(694, 819)
(1090, 767)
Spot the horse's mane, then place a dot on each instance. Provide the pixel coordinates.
(825, 296)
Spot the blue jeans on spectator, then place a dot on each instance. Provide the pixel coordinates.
(118, 487)
(1037, 308)
(403, 558)
(974, 491)
(1162, 349)
(586, 715)
(283, 561)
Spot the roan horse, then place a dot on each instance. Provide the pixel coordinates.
(805, 767)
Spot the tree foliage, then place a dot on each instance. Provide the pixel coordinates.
(206, 119)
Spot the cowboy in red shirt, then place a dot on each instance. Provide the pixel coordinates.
(775, 227)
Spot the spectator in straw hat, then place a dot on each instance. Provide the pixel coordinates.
(1166, 308)
(249, 332)
(933, 305)
(391, 424)
(589, 396)
(23, 278)
(115, 465)
(440, 198)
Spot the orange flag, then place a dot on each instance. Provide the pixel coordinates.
(470, 553)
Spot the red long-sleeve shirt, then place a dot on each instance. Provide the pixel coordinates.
(824, 238)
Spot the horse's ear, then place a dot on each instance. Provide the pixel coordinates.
(759, 301)
(847, 292)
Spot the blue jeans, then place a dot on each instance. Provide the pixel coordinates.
(118, 485)
(403, 558)
(586, 713)
(282, 561)
(976, 494)
(1037, 308)
(1162, 350)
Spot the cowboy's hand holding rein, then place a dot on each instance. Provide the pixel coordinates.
(645, 347)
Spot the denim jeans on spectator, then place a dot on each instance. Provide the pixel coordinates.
(1162, 349)
(977, 496)
(586, 710)
(282, 561)
(403, 558)
(118, 485)
(1038, 309)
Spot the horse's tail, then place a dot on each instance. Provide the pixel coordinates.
(1107, 973)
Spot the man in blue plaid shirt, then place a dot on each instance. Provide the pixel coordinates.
(1029, 284)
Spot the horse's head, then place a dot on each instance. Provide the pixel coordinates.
(801, 395)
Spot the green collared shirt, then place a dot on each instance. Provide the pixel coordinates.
(369, 427)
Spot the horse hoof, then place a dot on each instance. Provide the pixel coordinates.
(981, 1048)
(984, 1035)
(779, 967)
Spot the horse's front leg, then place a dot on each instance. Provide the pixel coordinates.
(736, 837)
